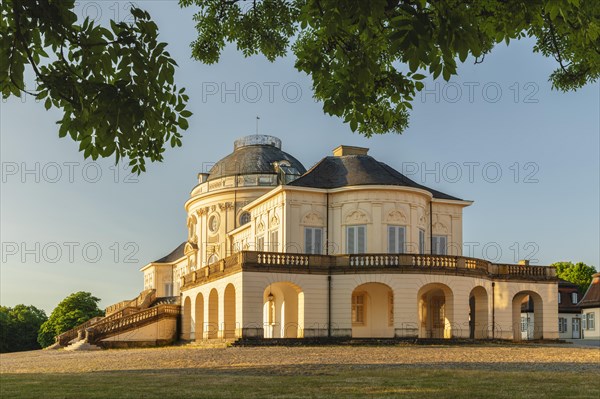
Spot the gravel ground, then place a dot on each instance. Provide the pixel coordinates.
(308, 360)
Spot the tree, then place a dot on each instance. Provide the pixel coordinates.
(579, 273)
(367, 59)
(114, 85)
(72, 311)
(19, 327)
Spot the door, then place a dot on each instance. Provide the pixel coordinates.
(576, 328)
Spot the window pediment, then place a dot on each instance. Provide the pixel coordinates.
(396, 216)
(356, 217)
(312, 219)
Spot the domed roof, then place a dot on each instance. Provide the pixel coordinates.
(253, 155)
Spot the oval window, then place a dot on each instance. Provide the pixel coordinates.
(213, 223)
(244, 218)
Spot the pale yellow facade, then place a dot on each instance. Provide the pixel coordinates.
(267, 257)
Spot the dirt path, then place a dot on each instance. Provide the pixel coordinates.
(307, 359)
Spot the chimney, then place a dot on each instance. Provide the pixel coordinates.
(343, 150)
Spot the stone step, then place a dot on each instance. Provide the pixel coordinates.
(212, 343)
(82, 346)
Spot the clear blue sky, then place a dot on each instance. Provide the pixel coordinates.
(545, 144)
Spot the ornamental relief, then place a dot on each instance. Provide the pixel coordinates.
(357, 217)
(190, 248)
(260, 227)
(191, 224)
(396, 216)
(439, 228)
(274, 221)
(312, 219)
(212, 249)
(421, 218)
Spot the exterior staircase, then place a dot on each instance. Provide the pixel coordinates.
(82, 346)
(123, 321)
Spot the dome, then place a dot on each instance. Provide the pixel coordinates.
(253, 155)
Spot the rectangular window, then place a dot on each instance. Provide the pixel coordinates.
(559, 298)
(439, 245)
(584, 322)
(358, 308)
(313, 240)
(562, 325)
(356, 239)
(260, 243)
(591, 323)
(168, 289)
(574, 298)
(523, 324)
(396, 239)
(421, 241)
(274, 241)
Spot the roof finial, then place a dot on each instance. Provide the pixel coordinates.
(257, 119)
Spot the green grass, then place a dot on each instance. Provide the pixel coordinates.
(291, 382)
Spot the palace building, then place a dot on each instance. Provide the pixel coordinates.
(349, 248)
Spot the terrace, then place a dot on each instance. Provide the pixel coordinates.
(365, 263)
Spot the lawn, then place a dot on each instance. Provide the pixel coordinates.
(346, 382)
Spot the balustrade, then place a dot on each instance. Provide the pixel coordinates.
(373, 261)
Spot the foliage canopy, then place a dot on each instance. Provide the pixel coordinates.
(72, 311)
(114, 85)
(367, 59)
(578, 273)
(19, 327)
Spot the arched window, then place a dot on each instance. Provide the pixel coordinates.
(213, 259)
(244, 218)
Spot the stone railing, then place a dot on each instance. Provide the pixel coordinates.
(228, 182)
(289, 262)
(66, 337)
(142, 301)
(277, 258)
(107, 327)
(522, 270)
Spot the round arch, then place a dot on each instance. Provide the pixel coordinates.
(478, 313)
(527, 316)
(212, 326)
(372, 311)
(436, 311)
(283, 310)
(199, 317)
(229, 312)
(186, 322)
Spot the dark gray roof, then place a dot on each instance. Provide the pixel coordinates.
(252, 159)
(177, 253)
(358, 170)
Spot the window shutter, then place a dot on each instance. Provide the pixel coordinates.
(401, 239)
(361, 239)
(350, 240)
(392, 239)
(308, 240)
(317, 241)
(274, 238)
